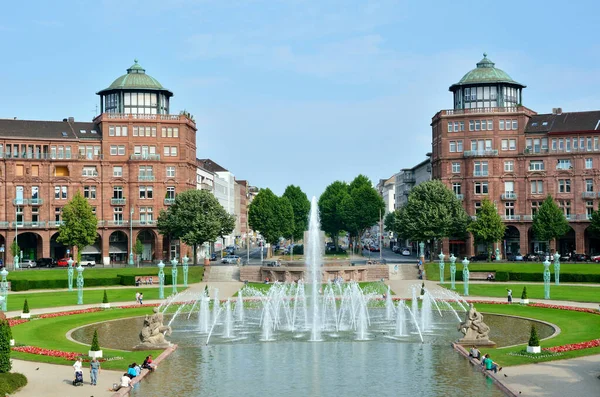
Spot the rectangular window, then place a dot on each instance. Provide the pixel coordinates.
(545, 144)
(477, 125)
(170, 192)
(19, 169)
(462, 126)
(111, 130)
(118, 214)
(589, 185)
(537, 187)
(477, 206)
(589, 163)
(117, 171)
(176, 131)
(89, 192)
(509, 187)
(89, 171)
(63, 192)
(35, 170)
(117, 192)
(596, 144)
(471, 125)
(512, 144)
(456, 188)
(171, 170)
(509, 166)
(566, 207)
(135, 131)
(589, 144)
(481, 168)
(166, 151)
(163, 132)
(536, 165)
(121, 150)
(452, 146)
(515, 125)
(169, 132)
(501, 125)
(504, 144)
(481, 188)
(459, 146)
(509, 210)
(173, 151)
(113, 150)
(564, 186)
(450, 126)
(490, 125)
(563, 164)
(554, 147)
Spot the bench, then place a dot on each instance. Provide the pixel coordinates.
(481, 275)
(146, 280)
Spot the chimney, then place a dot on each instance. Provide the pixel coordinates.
(65, 120)
(71, 119)
(556, 110)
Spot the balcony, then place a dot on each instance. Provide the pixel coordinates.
(527, 217)
(510, 217)
(36, 201)
(54, 224)
(535, 151)
(589, 195)
(480, 153)
(480, 173)
(149, 157)
(151, 222)
(169, 201)
(146, 178)
(408, 177)
(460, 197)
(508, 196)
(117, 201)
(3, 225)
(29, 224)
(580, 217)
(205, 186)
(90, 174)
(118, 223)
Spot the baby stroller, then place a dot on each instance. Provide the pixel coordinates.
(78, 379)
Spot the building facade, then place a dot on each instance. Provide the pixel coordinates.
(408, 178)
(387, 190)
(129, 163)
(491, 146)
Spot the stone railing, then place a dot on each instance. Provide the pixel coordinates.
(590, 195)
(169, 201)
(117, 201)
(480, 153)
(508, 196)
(149, 157)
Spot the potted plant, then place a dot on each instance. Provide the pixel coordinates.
(105, 304)
(524, 299)
(25, 313)
(534, 342)
(95, 351)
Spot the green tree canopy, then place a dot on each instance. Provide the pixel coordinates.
(195, 218)
(301, 207)
(390, 222)
(5, 337)
(272, 216)
(594, 227)
(488, 228)
(549, 223)
(432, 212)
(330, 203)
(79, 226)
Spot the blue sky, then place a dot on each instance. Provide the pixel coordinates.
(298, 92)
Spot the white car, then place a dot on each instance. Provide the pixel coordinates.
(28, 263)
(406, 252)
(88, 262)
(230, 259)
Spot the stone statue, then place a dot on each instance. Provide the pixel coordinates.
(153, 332)
(475, 331)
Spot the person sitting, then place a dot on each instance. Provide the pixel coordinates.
(131, 371)
(475, 353)
(490, 365)
(125, 382)
(490, 277)
(148, 364)
(138, 282)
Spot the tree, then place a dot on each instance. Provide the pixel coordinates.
(432, 212)
(195, 218)
(95, 345)
(105, 297)
(330, 202)
(25, 306)
(549, 223)
(594, 227)
(390, 222)
(272, 216)
(138, 248)
(78, 228)
(488, 228)
(301, 207)
(15, 249)
(5, 337)
(534, 340)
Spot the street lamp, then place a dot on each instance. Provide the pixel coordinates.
(131, 238)
(247, 229)
(547, 276)
(16, 258)
(80, 284)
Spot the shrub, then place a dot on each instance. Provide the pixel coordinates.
(11, 382)
(95, 345)
(5, 337)
(298, 249)
(25, 306)
(524, 293)
(502, 276)
(105, 297)
(533, 338)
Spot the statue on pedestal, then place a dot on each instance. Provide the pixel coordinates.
(153, 332)
(475, 331)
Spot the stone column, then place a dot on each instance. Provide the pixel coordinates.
(524, 240)
(579, 238)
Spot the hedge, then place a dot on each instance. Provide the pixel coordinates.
(11, 382)
(24, 285)
(538, 277)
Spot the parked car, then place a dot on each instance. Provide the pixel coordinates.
(62, 262)
(532, 257)
(374, 248)
(481, 257)
(46, 262)
(595, 258)
(579, 257)
(28, 263)
(406, 252)
(230, 250)
(87, 262)
(230, 259)
(213, 256)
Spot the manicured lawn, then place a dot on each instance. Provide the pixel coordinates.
(194, 275)
(433, 272)
(534, 291)
(575, 327)
(50, 333)
(65, 298)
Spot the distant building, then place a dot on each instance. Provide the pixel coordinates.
(408, 178)
(387, 190)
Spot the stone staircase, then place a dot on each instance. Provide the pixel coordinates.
(403, 271)
(221, 273)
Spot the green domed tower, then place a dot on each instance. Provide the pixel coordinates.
(135, 93)
(487, 87)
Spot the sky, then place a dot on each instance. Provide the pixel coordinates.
(297, 92)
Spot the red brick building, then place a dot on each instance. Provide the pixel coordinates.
(491, 146)
(129, 162)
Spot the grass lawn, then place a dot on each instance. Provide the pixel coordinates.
(37, 300)
(535, 291)
(195, 273)
(433, 270)
(575, 327)
(50, 333)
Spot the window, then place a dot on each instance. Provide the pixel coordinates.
(173, 151)
(113, 150)
(456, 188)
(564, 165)
(170, 192)
(509, 210)
(537, 187)
(146, 215)
(504, 145)
(477, 125)
(515, 125)
(477, 206)
(459, 146)
(121, 150)
(596, 144)
(535, 205)
(89, 192)
(490, 125)
(589, 185)
(452, 146)
(19, 170)
(19, 213)
(510, 144)
(90, 171)
(509, 187)
(35, 214)
(536, 165)
(564, 186)
(450, 126)
(589, 144)
(481, 188)
(589, 164)
(117, 171)
(60, 192)
(118, 192)
(146, 172)
(118, 214)
(471, 125)
(146, 192)
(554, 144)
(509, 166)
(455, 169)
(171, 170)
(35, 192)
(57, 214)
(566, 207)
(589, 209)
(501, 124)
(481, 168)
(176, 131)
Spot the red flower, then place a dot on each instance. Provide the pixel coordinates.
(16, 321)
(574, 346)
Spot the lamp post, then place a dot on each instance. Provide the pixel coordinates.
(174, 275)
(547, 277)
(130, 264)
(185, 261)
(247, 229)
(442, 266)
(422, 251)
(70, 273)
(452, 271)
(16, 258)
(465, 263)
(4, 289)
(2, 251)
(557, 268)
(161, 280)
(80, 284)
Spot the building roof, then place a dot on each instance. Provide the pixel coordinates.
(37, 129)
(210, 165)
(486, 72)
(561, 123)
(136, 79)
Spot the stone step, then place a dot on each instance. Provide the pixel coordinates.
(222, 273)
(404, 272)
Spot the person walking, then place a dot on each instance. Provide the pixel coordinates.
(141, 298)
(509, 291)
(94, 370)
(137, 297)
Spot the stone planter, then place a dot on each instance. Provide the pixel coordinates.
(25, 315)
(95, 353)
(105, 305)
(534, 349)
(524, 301)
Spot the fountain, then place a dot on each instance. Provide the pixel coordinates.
(313, 261)
(389, 305)
(239, 307)
(400, 319)
(228, 325)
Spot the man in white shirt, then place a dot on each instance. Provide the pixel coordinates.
(125, 382)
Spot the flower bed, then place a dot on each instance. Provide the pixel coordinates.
(47, 352)
(560, 307)
(69, 313)
(16, 321)
(574, 346)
